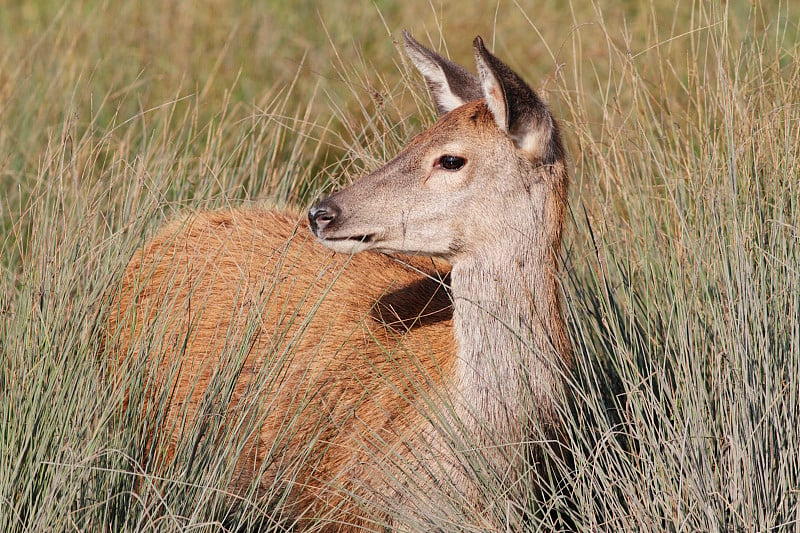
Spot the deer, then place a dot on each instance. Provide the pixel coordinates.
(412, 318)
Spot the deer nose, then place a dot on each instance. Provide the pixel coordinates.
(322, 215)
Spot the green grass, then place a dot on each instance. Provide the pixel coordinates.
(682, 255)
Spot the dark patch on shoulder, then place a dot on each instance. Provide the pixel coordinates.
(420, 303)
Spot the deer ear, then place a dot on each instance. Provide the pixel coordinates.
(516, 108)
(451, 85)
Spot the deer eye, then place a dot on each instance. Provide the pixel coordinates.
(450, 162)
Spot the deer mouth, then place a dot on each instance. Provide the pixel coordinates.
(365, 239)
(350, 244)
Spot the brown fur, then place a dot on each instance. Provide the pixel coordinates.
(216, 270)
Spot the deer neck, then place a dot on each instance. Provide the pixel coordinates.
(510, 335)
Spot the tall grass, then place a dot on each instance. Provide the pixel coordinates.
(682, 260)
(688, 318)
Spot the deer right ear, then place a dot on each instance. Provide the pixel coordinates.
(451, 85)
(516, 108)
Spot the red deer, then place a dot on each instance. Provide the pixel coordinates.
(385, 358)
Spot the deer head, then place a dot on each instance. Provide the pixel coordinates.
(489, 167)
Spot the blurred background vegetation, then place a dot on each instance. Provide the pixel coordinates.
(682, 278)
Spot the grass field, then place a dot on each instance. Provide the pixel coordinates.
(682, 254)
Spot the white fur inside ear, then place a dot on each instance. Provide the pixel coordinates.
(493, 93)
(445, 99)
(534, 141)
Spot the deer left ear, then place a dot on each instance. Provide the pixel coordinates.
(451, 85)
(516, 108)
